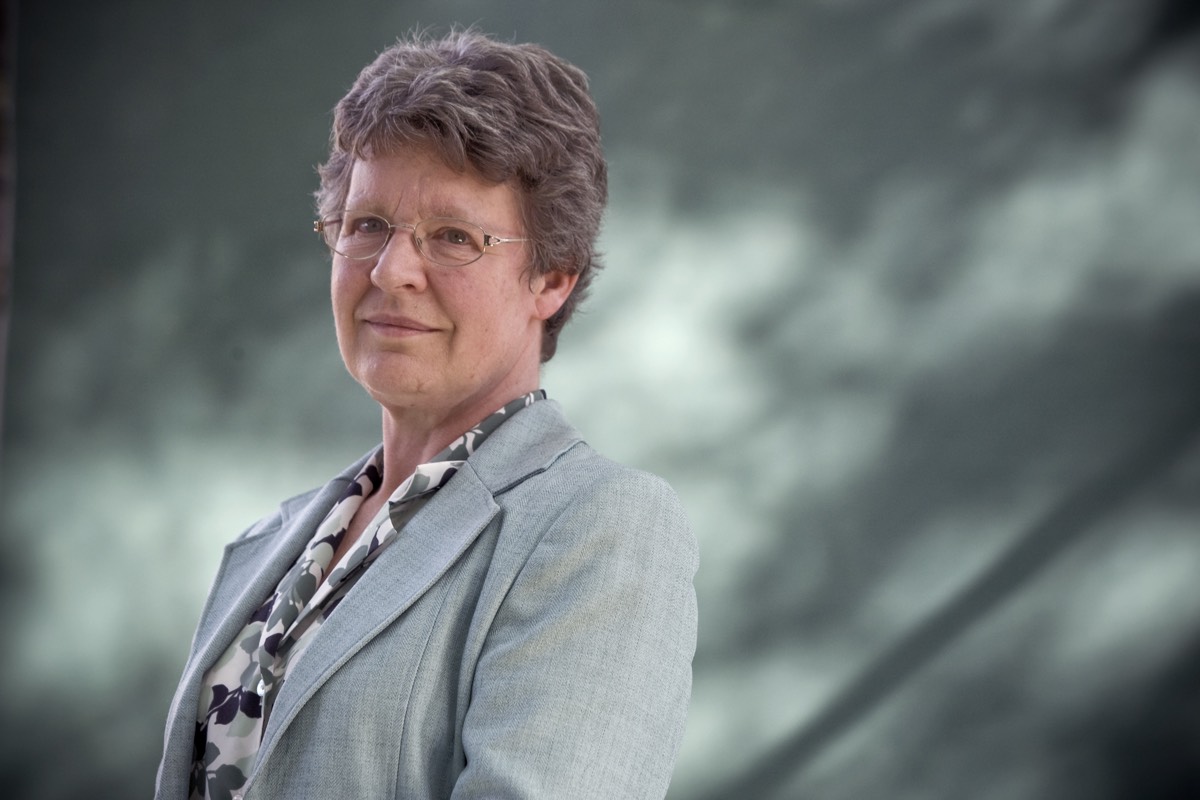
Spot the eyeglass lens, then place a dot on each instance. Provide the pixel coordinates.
(450, 242)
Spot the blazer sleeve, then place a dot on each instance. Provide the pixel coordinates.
(584, 680)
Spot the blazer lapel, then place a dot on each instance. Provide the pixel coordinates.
(250, 569)
(429, 544)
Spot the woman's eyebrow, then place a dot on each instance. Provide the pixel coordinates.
(432, 207)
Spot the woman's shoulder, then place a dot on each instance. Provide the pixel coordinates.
(586, 494)
(286, 510)
(311, 501)
(597, 474)
(539, 446)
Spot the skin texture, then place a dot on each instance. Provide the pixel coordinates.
(439, 348)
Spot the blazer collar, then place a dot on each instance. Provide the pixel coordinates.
(524, 445)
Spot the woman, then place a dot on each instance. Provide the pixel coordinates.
(482, 606)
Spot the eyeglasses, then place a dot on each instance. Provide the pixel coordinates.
(443, 240)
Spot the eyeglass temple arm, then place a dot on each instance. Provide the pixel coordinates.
(489, 240)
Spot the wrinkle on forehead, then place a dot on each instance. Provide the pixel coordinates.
(431, 189)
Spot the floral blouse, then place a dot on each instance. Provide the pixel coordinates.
(239, 690)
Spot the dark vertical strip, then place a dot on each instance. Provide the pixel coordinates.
(8, 174)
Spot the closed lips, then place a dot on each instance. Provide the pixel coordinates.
(398, 322)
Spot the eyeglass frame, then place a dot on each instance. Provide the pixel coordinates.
(488, 239)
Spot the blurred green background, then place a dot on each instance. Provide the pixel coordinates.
(903, 299)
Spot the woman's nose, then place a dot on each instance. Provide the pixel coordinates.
(400, 264)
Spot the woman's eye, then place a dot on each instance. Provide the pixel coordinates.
(368, 225)
(455, 236)
(363, 226)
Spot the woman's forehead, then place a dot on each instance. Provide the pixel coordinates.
(419, 182)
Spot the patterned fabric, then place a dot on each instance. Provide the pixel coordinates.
(240, 689)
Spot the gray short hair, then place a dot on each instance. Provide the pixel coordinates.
(509, 112)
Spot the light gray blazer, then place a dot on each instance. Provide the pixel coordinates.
(528, 635)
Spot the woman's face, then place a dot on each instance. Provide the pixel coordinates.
(435, 341)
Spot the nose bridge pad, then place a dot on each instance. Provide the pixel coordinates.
(415, 238)
(400, 232)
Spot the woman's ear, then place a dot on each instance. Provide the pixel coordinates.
(550, 291)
